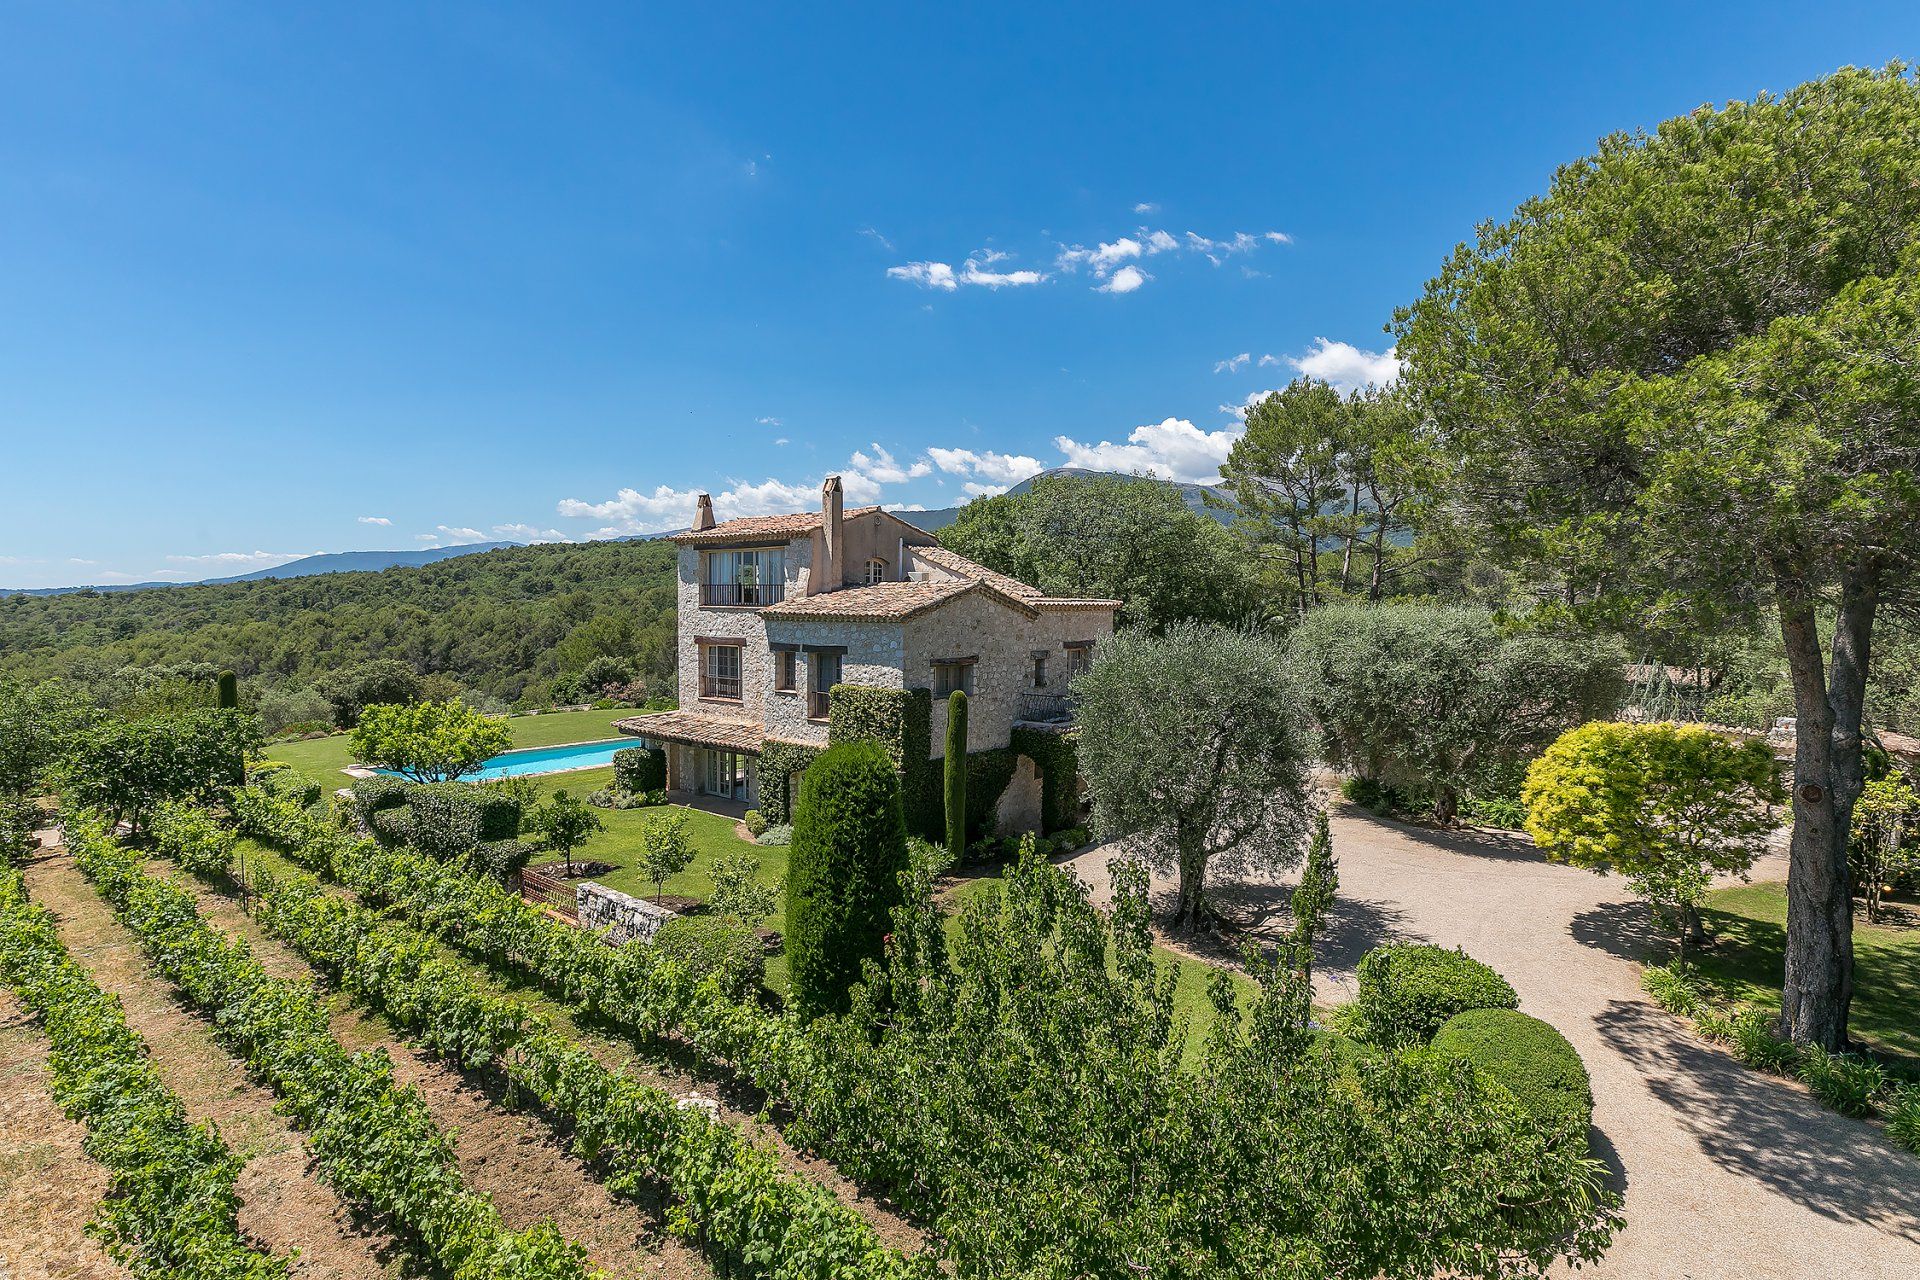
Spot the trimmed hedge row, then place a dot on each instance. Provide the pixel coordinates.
(1058, 755)
(1530, 1058)
(900, 720)
(1407, 991)
(735, 1198)
(640, 769)
(779, 762)
(171, 1206)
(374, 1140)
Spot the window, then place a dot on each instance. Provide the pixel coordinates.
(826, 674)
(1079, 657)
(720, 671)
(1040, 670)
(786, 670)
(954, 673)
(750, 578)
(876, 570)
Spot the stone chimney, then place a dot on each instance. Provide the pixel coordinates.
(703, 513)
(833, 535)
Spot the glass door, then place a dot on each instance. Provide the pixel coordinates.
(719, 773)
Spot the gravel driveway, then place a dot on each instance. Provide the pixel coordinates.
(1727, 1173)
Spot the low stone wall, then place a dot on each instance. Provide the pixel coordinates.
(622, 915)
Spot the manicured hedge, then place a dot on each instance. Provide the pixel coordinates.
(1530, 1058)
(849, 848)
(171, 1207)
(381, 791)
(502, 860)
(640, 769)
(900, 720)
(779, 761)
(1408, 990)
(1058, 755)
(715, 946)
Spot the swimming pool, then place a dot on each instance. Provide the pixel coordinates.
(577, 755)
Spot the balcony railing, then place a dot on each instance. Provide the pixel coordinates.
(712, 686)
(1046, 708)
(746, 594)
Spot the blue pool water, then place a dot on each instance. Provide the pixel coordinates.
(580, 755)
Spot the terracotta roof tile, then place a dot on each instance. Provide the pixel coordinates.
(701, 731)
(881, 602)
(777, 527)
(954, 562)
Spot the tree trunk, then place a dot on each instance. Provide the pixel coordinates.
(1378, 582)
(1353, 533)
(1817, 986)
(1193, 878)
(1446, 805)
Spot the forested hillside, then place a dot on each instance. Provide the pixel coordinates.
(504, 624)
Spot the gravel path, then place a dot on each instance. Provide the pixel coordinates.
(1727, 1172)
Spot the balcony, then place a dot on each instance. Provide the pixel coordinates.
(742, 595)
(1046, 708)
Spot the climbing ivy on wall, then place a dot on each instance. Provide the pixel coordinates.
(779, 762)
(1058, 755)
(901, 720)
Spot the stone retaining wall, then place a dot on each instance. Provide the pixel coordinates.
(624, 916)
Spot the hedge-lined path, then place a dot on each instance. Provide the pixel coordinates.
(49, 1188)
(677, 1072)
(509, 1155)
(1727, 1172)
(283, 1203)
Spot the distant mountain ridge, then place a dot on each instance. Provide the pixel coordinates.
(1195, 496)
(305, 566)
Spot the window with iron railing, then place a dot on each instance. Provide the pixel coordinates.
(747, 578)
(720, 671)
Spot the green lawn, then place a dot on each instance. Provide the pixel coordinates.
(1749, 924)
(323, 758)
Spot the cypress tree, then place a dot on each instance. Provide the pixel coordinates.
(228, 692)
(956, 774)
(843, 872)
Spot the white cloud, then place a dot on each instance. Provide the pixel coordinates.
(882, 469)
(1270, 360)
(768, 422)
(1160, 242)
(523, 532)
(1145, 207)
(1346, 366)
(239, 559)
(381, 520)
(975, 489)
(458, 533)
(1007, 467)
(974, 271)
(1241, 410)
(1125, 280)
(1232, 364)
(1173, 449)
(74, 560)
(783, 440)
(877, 238)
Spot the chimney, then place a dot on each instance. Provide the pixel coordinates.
(833, 534)
(703, 513)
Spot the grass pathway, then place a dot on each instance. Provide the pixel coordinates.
(49, 1188)
(283, 1204)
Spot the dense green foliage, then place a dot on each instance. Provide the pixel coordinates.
(504, 624)
(1111, 537)
(427, 741)
(1058, 757)
(564, 822)
(1679, 387)
(716, 946)
(955, 766)
(1407, 991)
(127, 768)
(1531, 1059)
(664, 848)
(781, 763)
(1193, 747)
(1439, 700)
(1668, 806)
(374, 1141)
(958, 1115)
(901, 720)
(171, 1207)
(640, 769)
(849, 848)
(1886, 837)
(37, 725)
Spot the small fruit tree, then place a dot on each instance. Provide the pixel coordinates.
(427, 741)
(566, 822)
(666, 849)
(1667, 805)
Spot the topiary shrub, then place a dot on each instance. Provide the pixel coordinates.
(443, 820)
(640, 769)
(901, 721)
(1531, 1059)
(719, 947)
(388, 826)
(503, 859)
(955, 763)
(755, 823)
(849, 847)
(779, 763)
(381, 791)
(1408, 990)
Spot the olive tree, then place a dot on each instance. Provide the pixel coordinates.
(1441, 698)
(1194, 748)
(1669, 806)
(1680, 383)
(128, 768)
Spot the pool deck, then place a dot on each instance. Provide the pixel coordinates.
(357, 771)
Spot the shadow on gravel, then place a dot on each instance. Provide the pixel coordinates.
(1607, 1154)
(1471, 842)
(1622, 929)
(1762, 1128)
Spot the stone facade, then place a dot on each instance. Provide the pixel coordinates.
(625, 917)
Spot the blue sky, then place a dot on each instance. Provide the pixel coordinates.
(272, 274)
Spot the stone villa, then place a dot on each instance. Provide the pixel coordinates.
(776, 611)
